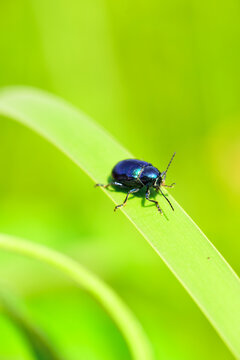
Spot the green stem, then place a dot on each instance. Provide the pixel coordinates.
(128, 325)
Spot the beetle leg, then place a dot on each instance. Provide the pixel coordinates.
(111, 183)
(169, 186)
(126, 199)
(154, 201)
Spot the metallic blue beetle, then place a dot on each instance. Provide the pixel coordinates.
(135, 174)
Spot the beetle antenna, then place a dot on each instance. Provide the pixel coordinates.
(165, 172)
(166, 197)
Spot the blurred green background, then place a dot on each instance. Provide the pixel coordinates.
(161, 77)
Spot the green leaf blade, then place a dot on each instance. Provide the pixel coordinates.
(185, 249)
(40, 345)
(129, 326)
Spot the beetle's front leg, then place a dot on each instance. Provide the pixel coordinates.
(169, 186)
(154, 201)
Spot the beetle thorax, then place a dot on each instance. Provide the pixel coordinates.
(149, 175)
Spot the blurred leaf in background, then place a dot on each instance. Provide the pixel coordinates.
(39, 346)
(161, 77)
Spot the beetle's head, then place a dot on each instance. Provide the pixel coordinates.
(160, 181)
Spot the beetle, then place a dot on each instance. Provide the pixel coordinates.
(133, 175)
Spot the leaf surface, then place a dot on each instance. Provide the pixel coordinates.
(200, 268)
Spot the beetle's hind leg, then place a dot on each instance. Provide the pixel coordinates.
(107, 185)
(154, 201)
(126, 199)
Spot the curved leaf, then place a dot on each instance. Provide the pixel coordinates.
(126, 322)
(40, 345)
(175, 237)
